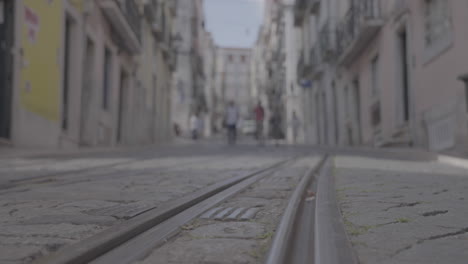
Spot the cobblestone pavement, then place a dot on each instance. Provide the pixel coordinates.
(397, 205)
(222, 235)
(404, 212)
(46, 203)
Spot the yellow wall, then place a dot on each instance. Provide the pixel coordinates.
(40, 81)
(78, 4)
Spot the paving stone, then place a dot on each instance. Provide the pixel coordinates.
(244, 230)
(384, 211)
(219, 251)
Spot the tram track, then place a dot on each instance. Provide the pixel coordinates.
(151, 228)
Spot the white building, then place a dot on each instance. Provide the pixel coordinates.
(233, 79)
(209, 62)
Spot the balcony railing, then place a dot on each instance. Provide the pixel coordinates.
(300, 67)
(360, 25)
(124, 17)
(132, 13)
(327, 39)
(315, 6)
(400, 6)
(316, 62)
(299, 11)
(151, 10)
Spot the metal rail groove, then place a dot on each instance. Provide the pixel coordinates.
(154, 226)
(285, 247)
(85, 174)
(332, 244)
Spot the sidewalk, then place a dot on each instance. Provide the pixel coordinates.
(404, 212)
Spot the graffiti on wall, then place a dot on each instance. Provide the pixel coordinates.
(41, 45)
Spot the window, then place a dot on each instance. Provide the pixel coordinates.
(437, 21)
(106, 89)
(243, 58)
(230, 57)
(375, 76)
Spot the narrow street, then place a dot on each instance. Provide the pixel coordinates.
(211, 203)
(233, 132)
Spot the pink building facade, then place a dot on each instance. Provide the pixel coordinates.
(391, 74)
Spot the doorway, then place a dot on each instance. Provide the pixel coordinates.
(325, 118)
(335, 113)
(357, 111)
(317, 118)
(6, 66)
(69, 46)
(123, 97)
(87, 95)
(404, 75)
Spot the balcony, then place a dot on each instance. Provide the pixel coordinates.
(360, 25)
(151, 10)
(315, 6)
(299, 11)
(327, 41)
(173, 7)
(316, 62)
(303, 66)
(124, 18)
(300, 68)
(400, 7)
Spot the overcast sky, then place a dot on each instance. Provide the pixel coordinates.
(234, 23)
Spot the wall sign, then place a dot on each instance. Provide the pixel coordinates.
(32, 22)
(2, 12)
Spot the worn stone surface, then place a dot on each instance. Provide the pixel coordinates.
(83, 196)
(398, 215)
(236, 241)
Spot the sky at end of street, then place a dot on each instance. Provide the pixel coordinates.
(234, 23)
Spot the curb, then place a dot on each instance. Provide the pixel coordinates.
(332, 245)
(453, 161)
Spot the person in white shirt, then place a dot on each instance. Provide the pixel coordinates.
(231, 119)
(194, 126)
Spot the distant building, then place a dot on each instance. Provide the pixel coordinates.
(188, 94)
(233, 79)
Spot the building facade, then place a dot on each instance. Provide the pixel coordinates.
(87, 73)
(189, 96)
(384, 73)
(233, 80)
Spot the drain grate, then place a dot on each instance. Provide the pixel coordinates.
(231, 213)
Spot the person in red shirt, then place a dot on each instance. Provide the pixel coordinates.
(259, 118)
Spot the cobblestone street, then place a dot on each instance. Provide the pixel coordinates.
(50, 202)
(395, 205)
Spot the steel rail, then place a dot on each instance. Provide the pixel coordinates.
(85, 174)
(130, 240)
(293, 240)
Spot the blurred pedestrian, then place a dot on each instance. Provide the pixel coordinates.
(231, 119)
(194, 125)
(176, 129)
(295, 125)
(275, 129)
(259, 119)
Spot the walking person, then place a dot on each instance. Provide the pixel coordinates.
(231, 119)
(275, 131)
(295, 125)
(194, 125)
(259, 119)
